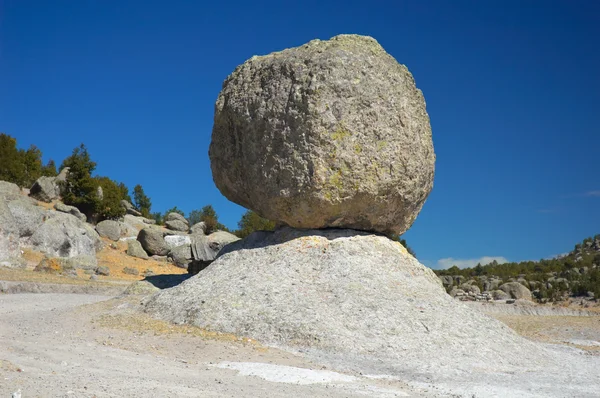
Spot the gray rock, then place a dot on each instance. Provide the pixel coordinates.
(336, 291)
(178, 240)
(500, 295)
(153, 242)
(100, 193)
(135, 249)
(198, 228)
(459, 280)
(176, 217)
(516, 291)
(177, 225)
(63, 235)
(523, 282)
(80, 262)
(94, 277)
(206, 248)
(181, 256)
(27, 216)
(149, 221)
(330, 134)
(45, 189)
(59, 206)
(109, 229)
(491, 284)
(103, 270)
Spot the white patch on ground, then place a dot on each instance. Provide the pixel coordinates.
(286, 374)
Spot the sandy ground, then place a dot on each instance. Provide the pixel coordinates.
(71, 345)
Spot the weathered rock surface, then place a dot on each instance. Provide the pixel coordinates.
(329, 134)
(516, 290)
(153, 242)
(63, 235)
(9, 191)
(135, 249)
(181, 256)
(337, 291)
(59, 206)
(109, 229)
(178, 240)
(27, 216)
(500, 295)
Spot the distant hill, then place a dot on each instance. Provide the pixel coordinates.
(574, 274)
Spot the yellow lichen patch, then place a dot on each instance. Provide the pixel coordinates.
(357, 148)
(50, 265)
(340, 133)
(32, 257)
(381, 145)
(142, 323)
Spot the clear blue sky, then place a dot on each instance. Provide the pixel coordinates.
(512, 89)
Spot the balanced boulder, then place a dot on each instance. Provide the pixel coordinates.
(176, 222)
(330, 134)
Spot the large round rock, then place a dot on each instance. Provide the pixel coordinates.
(330, 134)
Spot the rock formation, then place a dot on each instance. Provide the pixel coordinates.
(329, 134)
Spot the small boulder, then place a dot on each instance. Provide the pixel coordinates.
(177, 225)
(109, 229)
(129, 209)
(135, 249)
(103, 270)
(176, 217)
(447, 280)
(516, 290)
(153, 242)
(206, 248)
(130, 271)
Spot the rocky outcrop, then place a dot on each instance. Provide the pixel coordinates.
(59, 206)
(63, 235)
(329, 134)
(109, 229)
(516, 290)
(48, 189)
(338, 291)
(178, 240)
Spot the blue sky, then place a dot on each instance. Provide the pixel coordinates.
(512, 89)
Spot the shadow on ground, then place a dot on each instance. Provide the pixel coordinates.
(167, 281)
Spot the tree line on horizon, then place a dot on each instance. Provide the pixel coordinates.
(81, 189)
